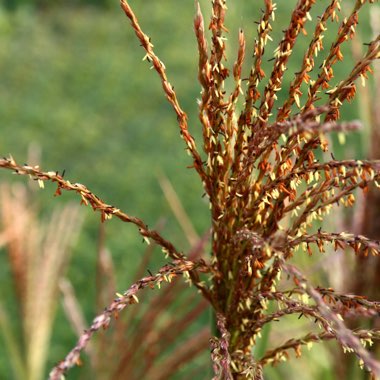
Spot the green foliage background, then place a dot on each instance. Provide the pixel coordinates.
(73, 83)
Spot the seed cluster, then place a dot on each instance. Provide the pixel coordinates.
(266, 186)
(267, 180)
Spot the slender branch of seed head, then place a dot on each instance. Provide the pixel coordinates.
(286, 306)
(216, 107)
(346, 89)
(341, 303)
(107, 211)
(294, 145)
(327, 127)
(361, 67)
(282, 54)
(284, 51)
(217, 28)
(252, 94)
(302, 75)
(212, 107)
(346, 31)
(204, 76)
(368, 171)
(276, 355)
(270, 276)
(257, 73)
(218, 71)
(310, 198)
(347, 191)
(238, 65)
(331, 169)
(286, 182)
(340, 240)
(203, 66)
(303, 130)
(334, 167)
(302, 309)
(165, 274)
(168, 89)
(205, 79)
(261, 143)
(232, 129)
(220, 351)
(348, 300)
(344, 335)
(320, 195)
(299, 123)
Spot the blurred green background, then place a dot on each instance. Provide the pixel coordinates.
(73, 86)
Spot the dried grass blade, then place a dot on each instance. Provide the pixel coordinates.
(171, 331)
(15, 356)
(44, 275)
(178, 209)
(72, 308)
(143, 326)
(183, 354)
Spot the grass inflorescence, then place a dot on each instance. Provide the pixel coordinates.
(269, 185)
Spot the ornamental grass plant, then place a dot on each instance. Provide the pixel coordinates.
(270, 182)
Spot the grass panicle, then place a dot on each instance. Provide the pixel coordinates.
(270, 187)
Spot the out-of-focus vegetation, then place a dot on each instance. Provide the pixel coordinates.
(46, 4)
(73, 86)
